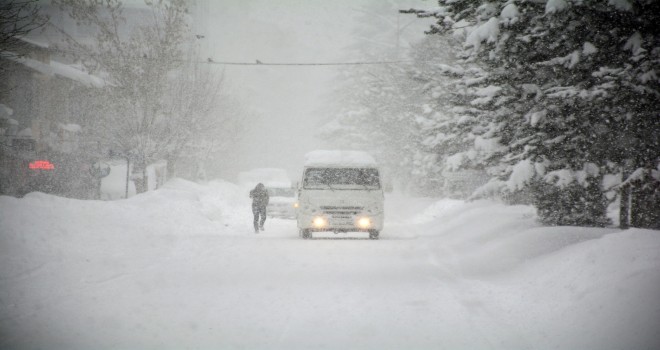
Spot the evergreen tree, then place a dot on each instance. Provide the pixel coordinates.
(577, 95)
(378, 103)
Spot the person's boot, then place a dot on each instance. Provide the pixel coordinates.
(262, 227)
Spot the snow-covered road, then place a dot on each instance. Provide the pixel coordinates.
(180, 268)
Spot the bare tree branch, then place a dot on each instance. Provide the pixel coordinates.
(17, 19)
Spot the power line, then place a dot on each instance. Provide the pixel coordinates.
(210, 60)
(259, 63)
(255, 63)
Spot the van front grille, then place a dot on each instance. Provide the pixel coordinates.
(340, 208)
(341, 211)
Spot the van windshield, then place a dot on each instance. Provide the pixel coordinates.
(341, 177)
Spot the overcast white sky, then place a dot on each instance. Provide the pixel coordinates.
(289, 101)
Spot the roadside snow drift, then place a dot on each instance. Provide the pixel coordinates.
(180, 268)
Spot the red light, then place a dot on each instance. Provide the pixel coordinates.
(42, 164)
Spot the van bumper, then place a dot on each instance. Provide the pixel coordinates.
(328, 223)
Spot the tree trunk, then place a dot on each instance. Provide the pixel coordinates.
(139, 176)
(624, 210)
(171, 167)
(139, 184)
(644, 207)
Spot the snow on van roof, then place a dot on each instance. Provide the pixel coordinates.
(340, 158)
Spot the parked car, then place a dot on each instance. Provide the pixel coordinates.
(282, 202)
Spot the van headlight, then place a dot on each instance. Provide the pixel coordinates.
(319, 222)
(296, 205)
(364, 222)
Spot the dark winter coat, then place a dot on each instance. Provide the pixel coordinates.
(259, 196)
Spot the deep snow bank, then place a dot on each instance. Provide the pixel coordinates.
(41, 228)
(597, 287)
(74, 273)
(180, 207)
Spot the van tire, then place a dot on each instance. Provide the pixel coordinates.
(305, 234)
(373, 234)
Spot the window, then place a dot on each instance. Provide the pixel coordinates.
(23, 144)
(322, 177)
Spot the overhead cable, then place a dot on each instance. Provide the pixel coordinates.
(260, 63)
(255, 63)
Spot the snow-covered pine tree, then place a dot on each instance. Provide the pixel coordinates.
(377, 103)
(377, 116)
(448, 124)
(578, 84)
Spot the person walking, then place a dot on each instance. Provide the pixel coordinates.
(260, 199)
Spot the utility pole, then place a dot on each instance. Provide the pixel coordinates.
(624, 196)
(127, 173)
(398, 32)
(624, 211)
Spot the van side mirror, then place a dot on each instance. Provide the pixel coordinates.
(297, 187)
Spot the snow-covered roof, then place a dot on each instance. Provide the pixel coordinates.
(70, 127)
(76, 74)
(61, 69)
(339, 158)
(27, 132)
(35, 42)
(5, 111)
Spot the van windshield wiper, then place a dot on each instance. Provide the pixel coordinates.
(326, 181)
(329, 185)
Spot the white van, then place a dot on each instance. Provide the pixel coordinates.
(340, 191)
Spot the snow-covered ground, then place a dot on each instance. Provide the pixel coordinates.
(179, 268)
